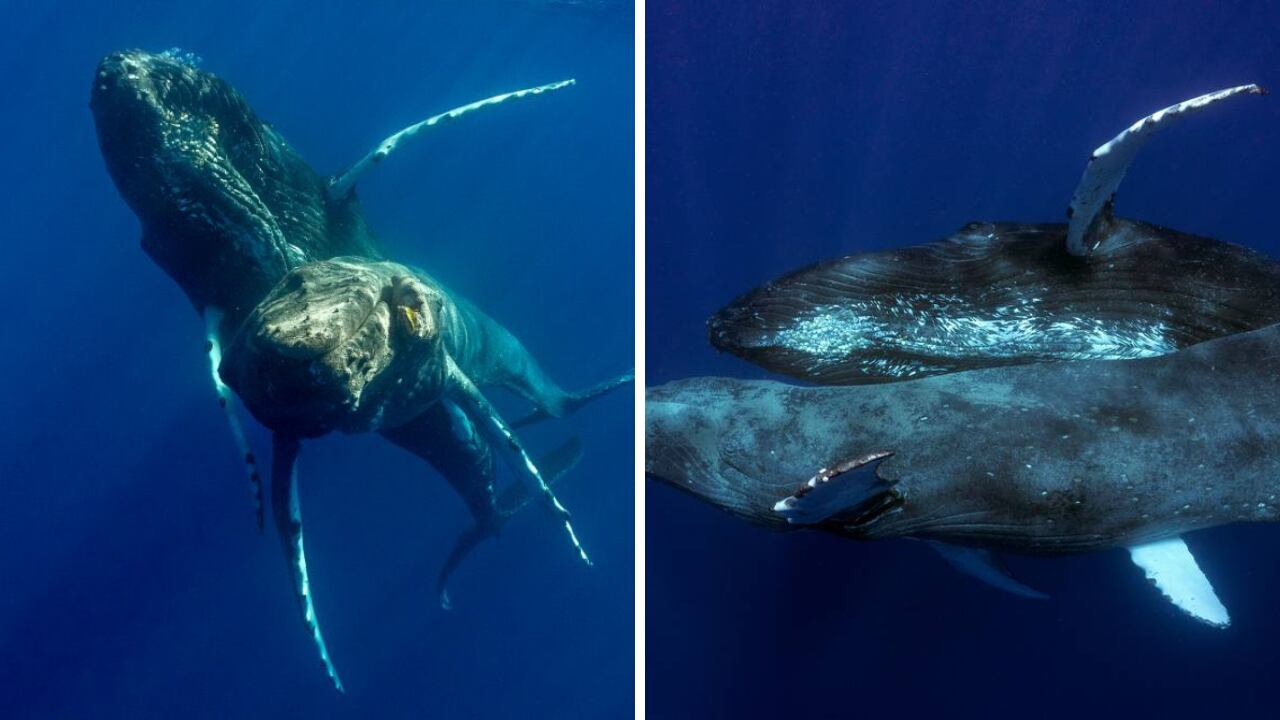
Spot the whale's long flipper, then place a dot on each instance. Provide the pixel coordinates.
(1107, 165)
(1170, 565)
(288, 516)
(838, 492)
(466, 462)
(213, 345)
(985, 566)
(578, 400)
(491, 425)
(342, 184)
(555, 465)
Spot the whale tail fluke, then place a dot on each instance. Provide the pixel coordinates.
(576, 401)
(555, 465)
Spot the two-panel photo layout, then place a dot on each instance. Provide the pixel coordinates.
(640, 359)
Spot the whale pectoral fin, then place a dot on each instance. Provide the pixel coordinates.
(468, 397)
(555, 465)
(986, 566)
(467, 463)
(341, 185)
(462, 547)
(842, 492)
(444, 436)
(288, 517)
(1170, 565)
(577, 400)
(1091, 202)
(226, 400)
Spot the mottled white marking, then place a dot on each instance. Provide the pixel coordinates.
(1170, 565)
(951, 327)
(1108, 164)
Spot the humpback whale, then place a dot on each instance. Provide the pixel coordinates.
(1001, 293)
(1039, 459)
(1037, 389)
(358, 345)
(230, 212)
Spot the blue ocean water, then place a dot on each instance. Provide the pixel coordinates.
(782, 133)
(134, 585)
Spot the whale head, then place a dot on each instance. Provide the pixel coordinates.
(342, 344)
(737, 446)
(226, 206)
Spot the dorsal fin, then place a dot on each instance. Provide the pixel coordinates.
(341, 185)
(1092, 200)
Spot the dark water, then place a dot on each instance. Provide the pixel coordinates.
(781, 133)
(133, 583)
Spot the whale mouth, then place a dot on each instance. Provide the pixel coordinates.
(338, 344)
(172, 134)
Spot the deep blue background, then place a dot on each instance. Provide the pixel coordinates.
(132, 583)
(781, 133)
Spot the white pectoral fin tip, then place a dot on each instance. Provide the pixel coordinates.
(341, 185)
(213, 345)
(287, 513)
(985, 566)
(504, 439)
(1107, 165)
(1170, 565)
(833, 490)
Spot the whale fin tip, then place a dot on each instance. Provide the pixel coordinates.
(1091, 203)
(1171, 566)
(287, 513)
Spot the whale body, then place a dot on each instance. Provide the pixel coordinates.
(230, 212)
(1040, 459)
(994, 294)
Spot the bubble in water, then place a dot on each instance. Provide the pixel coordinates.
(183, 56)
